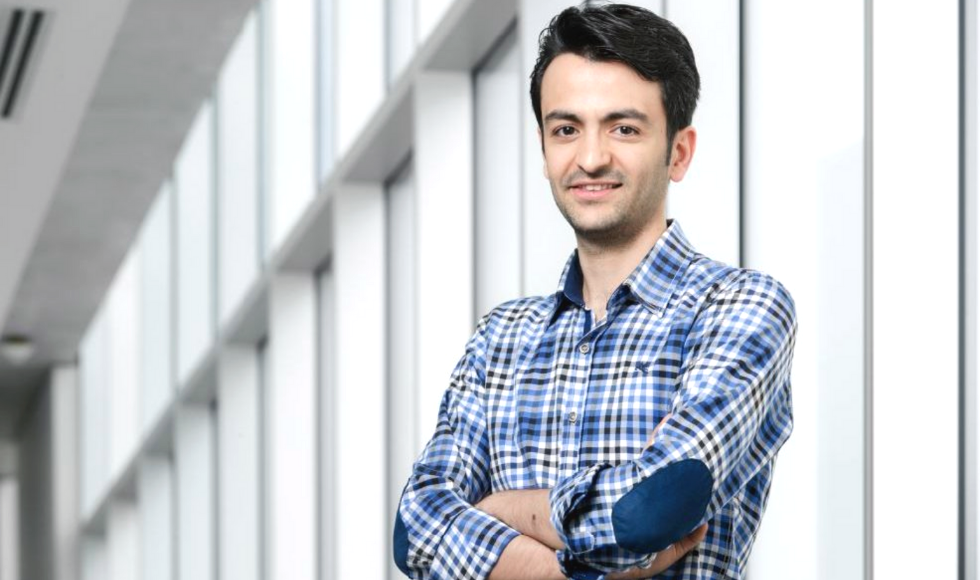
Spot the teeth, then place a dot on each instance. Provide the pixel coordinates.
(596, 187)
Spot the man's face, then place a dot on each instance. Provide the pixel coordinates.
(604, 138)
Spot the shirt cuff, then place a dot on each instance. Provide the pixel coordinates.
(565, 498)
(471, 546)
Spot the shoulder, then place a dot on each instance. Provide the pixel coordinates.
(520, 308)
(515, 315)
(739, 291)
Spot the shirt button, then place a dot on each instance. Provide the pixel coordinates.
(572, 417)
(584, 348)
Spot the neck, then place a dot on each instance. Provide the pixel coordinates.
(604, 268)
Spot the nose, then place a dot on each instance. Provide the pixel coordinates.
(593, 155)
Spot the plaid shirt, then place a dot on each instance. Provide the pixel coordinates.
(544, 398)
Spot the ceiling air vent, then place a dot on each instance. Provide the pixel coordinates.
(20, 29)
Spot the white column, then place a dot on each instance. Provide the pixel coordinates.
(444, 234)
(359, 336)
(971, 279)
(64, 470)
(194, 452)
(156, 508)
(712, 28)
(238, 456)
(805, 225)
(360, 68)
(9, 530)
(95, 562)
(327, 420)
(915, 339)
(122, 540)
(291, 401)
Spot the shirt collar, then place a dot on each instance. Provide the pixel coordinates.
(651, 282)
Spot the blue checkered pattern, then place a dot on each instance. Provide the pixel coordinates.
(545, 398)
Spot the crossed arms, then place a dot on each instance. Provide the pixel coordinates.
(730, 416)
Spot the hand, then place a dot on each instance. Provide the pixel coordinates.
(665, 558)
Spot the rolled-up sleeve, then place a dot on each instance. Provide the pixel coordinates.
(731, 414)
(438, 533)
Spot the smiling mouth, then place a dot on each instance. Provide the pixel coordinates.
(593, 189)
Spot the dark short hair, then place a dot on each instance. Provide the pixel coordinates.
(634, 36)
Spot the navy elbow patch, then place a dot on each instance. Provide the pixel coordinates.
(663, 508)
(399, 544)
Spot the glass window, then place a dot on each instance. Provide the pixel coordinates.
(122, 302)
(326, 49)
(498, 176)
(156, 309)
(400, 19)
(238, 193)
(360, 40)
(289, 114)
(194, 186)
(93, 359)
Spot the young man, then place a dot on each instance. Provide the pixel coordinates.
(627, 425)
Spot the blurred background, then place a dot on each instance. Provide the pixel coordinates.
(243, 244)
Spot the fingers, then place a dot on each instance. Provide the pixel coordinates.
(666, 557)
(688, 542)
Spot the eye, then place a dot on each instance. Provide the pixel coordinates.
(627, 131)
(564, 131)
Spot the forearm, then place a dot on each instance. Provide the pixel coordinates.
(526, 559)
(527, 511)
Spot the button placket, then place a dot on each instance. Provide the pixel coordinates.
(574, 406)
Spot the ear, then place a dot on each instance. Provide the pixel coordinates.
(544, 160)
(682, 152)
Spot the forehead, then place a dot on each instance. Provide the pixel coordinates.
(585, 87)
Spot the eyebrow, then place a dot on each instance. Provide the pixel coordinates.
(617, 115)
